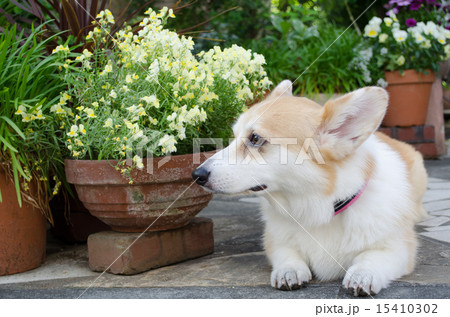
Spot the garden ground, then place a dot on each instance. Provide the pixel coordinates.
(238, 267)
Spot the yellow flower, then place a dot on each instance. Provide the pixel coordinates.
(90, 113)
(22, 110)
(73, 131)
(108, 68)
(81, 129)
(39, 115)
(60, 48)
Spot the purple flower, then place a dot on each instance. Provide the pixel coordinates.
(447, 27)
(415, 6)
(411, 22)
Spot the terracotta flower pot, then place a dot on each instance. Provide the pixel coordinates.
(159, 199)
(408, 98)
(22, 232)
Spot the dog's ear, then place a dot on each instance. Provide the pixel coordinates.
(283, 89)
(349, 120)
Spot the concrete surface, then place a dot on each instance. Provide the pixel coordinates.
(238, 267)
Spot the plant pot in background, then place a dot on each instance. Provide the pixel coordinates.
(409, 95)
(75, 224)
(162, 198)
(22, 232)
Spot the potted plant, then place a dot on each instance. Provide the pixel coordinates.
(30, 161)
(409, 52)
(133, 101)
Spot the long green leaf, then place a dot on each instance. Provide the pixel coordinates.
(14, 126)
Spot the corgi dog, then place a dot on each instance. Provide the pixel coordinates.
(340, 200)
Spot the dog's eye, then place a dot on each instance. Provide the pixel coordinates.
(256, 140)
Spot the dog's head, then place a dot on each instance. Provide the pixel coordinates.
(287, 141)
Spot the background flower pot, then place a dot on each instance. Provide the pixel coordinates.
(22, 232)
(72, 221)
(125, 207)
(408, 97)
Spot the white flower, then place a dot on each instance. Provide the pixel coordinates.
(86, 53)
(388, 21)
(375, 21)
(382, 38)
(447, 50)
(129, 79)
(113, 94)
(372, 30)
(441, 39)
(108, 68)
(172, 116)
(401, 60)
(382, 83)
(61, 48)
(419, 38)
(108, 123)
(73, 131)
(383, 51)
(425, 44)
(167, 144)
(22, 110)
(81, 129)
(138, 160)
(447, 33)
(151, 100)
(400, 35)
(90, 113)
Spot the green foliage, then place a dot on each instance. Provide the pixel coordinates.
(323, 57)
(29, 85)
(227, 22)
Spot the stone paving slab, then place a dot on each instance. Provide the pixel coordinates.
(397, 290)
(433, 206)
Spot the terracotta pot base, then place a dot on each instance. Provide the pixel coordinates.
(158, 199)
(22, 232)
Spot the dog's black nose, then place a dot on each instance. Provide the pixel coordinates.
(201, 175)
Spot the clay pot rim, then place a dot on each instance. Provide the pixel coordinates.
(103, 172)
(409, 76)
(114, 162)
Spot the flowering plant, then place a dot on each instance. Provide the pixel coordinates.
(148, 90)
(409, 12)
(419, 47)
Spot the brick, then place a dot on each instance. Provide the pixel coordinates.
(428, 150)
(131, 253)
(415, 134)
(429, 132)
(386, 131)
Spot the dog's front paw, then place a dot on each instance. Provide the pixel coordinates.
(362, 282)
(290, 278)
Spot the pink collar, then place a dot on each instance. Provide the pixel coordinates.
(341, 205)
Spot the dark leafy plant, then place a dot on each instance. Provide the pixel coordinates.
(29, 84)
(71, 20)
